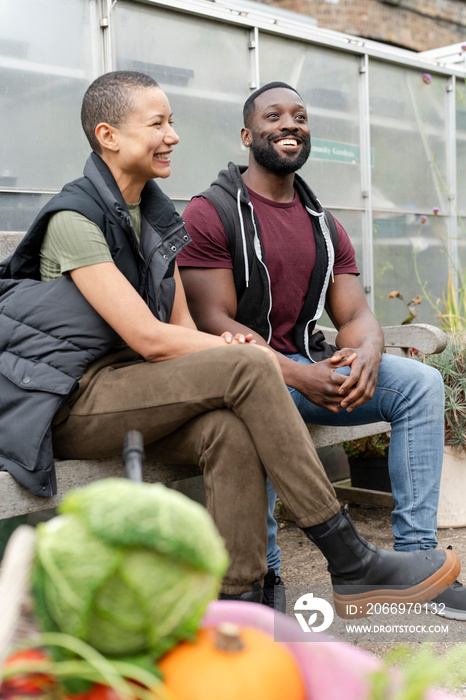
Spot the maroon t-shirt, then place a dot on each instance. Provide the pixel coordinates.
(289, 247)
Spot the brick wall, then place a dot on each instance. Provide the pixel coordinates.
(417, 25)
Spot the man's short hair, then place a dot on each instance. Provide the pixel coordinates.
(250, 104)
(110, 98)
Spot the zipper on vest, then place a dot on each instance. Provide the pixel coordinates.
(147, 262)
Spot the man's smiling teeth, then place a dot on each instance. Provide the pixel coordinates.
(287, 142)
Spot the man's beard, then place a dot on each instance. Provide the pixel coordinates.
(265, 154)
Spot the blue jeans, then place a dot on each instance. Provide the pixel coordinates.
(410, 396)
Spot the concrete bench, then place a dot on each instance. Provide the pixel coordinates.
(15, 500)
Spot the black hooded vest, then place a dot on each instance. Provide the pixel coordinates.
(230, 197)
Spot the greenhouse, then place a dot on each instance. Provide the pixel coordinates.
(388, 125)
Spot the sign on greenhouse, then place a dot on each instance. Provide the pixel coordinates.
(335, 150)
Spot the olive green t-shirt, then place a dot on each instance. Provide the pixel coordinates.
(72, 241)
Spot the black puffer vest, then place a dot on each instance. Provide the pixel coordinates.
(49, 334)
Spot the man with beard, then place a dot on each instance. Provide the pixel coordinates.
(265, 260)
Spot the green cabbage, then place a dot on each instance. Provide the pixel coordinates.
(127, 567)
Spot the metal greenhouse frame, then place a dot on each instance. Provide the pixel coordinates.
(388, 125)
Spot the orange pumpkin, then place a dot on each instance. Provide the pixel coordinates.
(232, 663)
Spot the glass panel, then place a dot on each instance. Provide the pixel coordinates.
(18, 210)
(180, 205)
(409, 257)
(203, 66)
(460, 268)
(328, 82)
(352, 223)
(461, 147)
(46, 59)
(408, 139)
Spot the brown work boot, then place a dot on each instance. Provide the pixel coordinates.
(363, 574)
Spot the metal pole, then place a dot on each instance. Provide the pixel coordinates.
(366, 182)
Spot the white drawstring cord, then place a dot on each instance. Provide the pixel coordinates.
(243, 237)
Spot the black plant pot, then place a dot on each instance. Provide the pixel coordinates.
(370, 473)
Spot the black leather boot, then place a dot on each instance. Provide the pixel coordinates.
(252, 596)
(274, 592)
(363, 574)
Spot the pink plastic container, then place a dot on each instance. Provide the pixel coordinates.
(331, 669)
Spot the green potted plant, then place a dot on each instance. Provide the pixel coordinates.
(368, 462)
(451, 364)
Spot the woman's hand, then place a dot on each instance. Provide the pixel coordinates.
(238, 338)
